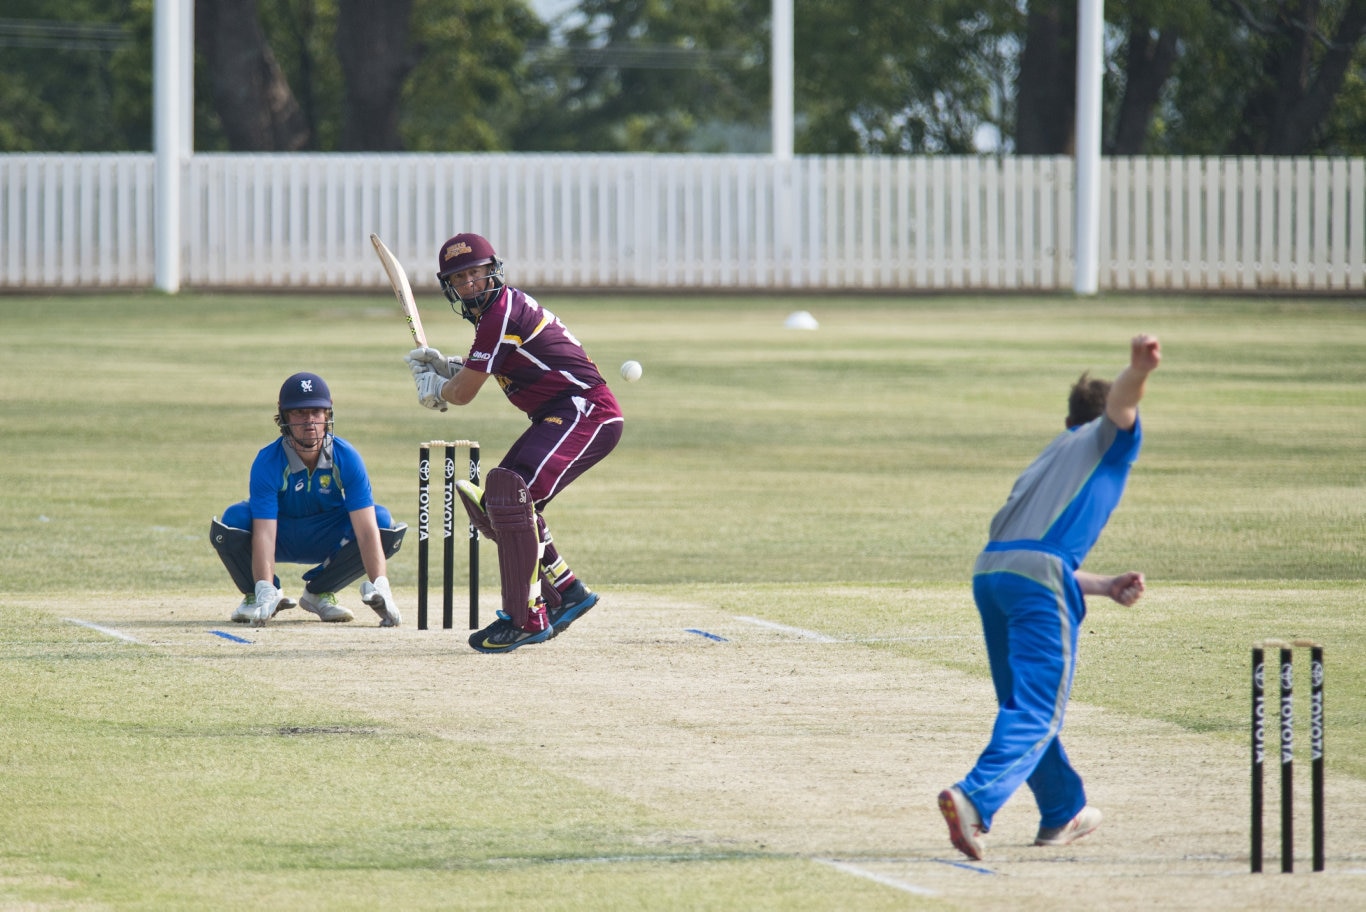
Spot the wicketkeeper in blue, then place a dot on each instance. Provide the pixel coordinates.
(1030, 591)
(310, 503)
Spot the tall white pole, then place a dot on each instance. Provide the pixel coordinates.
(186, 56)
(1090, 70)
(783, 105)
(168, 136)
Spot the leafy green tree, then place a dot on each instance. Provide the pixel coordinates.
(900, 76)
(1229, 77)
(302, 34)
(1305, 49)
(649, 75)
(64, 75)
(1344, 131)
(872, 76)
(1268, 78)
(422, 75)
(472, 85)
(1142, 67)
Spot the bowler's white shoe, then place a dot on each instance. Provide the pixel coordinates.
(324, 605)
(1086, 822)
(965, 824)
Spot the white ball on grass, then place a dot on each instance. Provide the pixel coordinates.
(631, 371)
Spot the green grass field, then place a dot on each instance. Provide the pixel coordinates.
(838, 481)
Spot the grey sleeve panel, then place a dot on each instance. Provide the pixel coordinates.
(1052, 481)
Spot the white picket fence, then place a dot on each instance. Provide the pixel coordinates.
(712, 223)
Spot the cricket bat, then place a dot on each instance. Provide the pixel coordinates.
(398, 281)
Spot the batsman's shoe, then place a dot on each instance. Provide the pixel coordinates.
(504, 636)
(324, 605)
(578, 598)
(965, 824)
(1086, 822)
(378, 597)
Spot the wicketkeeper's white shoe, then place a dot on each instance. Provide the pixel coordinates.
(324, 605)
(245, 613)
(965, 824)
(378, 597)
(261, 606)
(1086, 822)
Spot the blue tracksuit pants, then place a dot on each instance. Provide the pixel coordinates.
(1031, 638)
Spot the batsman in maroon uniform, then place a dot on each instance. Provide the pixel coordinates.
(575, 422)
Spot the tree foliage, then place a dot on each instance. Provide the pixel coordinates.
(872, 76)
(900, 76)
(650, 75)
(422, 75)
(70, 75)
(1304, 49)
(470, 88)
(1278, 77)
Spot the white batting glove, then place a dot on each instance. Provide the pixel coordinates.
(429, 384)
(268, 599)
(378, 597)
(424, 359)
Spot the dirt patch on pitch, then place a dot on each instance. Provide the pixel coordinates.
(769, 741)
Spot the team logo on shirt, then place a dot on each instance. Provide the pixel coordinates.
(324, 481)
(554, 419)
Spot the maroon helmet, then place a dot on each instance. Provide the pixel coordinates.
(463, 252)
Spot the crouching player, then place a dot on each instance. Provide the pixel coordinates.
(575, 423)
(310, 503)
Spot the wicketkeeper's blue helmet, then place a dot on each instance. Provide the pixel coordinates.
(305, 390)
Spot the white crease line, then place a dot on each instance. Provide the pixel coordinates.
(823, 638)
(105, 630)
(914, 639)
(877, 878)
(808, 634)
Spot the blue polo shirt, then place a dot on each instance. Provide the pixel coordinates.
(312, 508)
(282, 487)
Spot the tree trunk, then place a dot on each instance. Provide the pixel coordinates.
(1047, 85)
(250, 92)
(1148, 66)
(1286, 115)
(373, 47)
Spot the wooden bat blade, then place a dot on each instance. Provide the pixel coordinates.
(398, 281)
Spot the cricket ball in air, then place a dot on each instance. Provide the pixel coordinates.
(631, 371)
